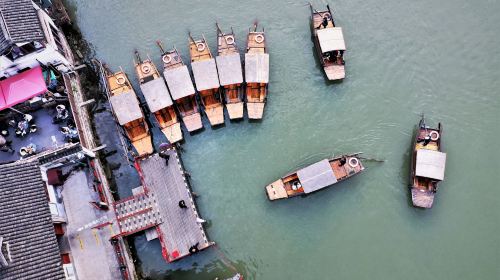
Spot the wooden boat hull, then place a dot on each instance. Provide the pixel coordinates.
(215, 115)
(255, 110)
(173, 132)
(192, 122)
(235, 110)
(335, 72)
(143, 146)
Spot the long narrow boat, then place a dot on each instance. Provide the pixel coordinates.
(206, 80)
(427, 164)
(315, 177)
(329, 43)
(181, 88)
(158, 98)
(230, 73)
(128, 113)
(256, 73)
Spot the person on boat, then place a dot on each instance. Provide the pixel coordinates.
(182, 204)
(165, 156)
(5, 146)
(427, 140)
(343, 161)
(324, 23)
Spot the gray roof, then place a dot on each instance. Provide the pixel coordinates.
(229, 68)
(430, 164)
(257, 68)
(317, 176)
(126, 107)
(331, 39)
(26, 224)
(179, 82)
(19, 23)
(205, 74)
(156, 94)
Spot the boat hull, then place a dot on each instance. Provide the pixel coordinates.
(235, 110)
(173, 132)
(143, 146)
(193, 122)
(276, 190)
(255, 110)
(215, 115)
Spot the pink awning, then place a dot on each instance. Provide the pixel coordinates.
(21, 87)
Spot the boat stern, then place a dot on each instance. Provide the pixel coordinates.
(422, 198)
(255, 110)
(276, 190)
(215, 115)
(143, 146)
(335, 72)
(193, 122)
(235, 110)
(173, 132)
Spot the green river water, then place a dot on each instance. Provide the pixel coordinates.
(404, 58)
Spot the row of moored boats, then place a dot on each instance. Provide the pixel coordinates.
(172, 99)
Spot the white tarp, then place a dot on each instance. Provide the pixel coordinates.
(229, 68)
(316, 176)
(257, 68)
(331, 39)
(126, 107)
(179, 82)
(156, 94)
(430, 164)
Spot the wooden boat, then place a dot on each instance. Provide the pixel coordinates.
(315, 177)
(256, 73)
(158, 98)
(329, 43)
(230, 73)
(181, 88)
(206, 80)
(128, 113)
(427, 164)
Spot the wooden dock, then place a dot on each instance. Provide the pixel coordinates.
(180, 231)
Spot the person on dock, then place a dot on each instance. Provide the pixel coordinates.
(182, 204)
(5, 146)
(193, 249)
(164, 155)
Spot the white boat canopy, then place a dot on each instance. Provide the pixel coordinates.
(331, 39)
(179, 82)
(430, 164)
(316, 176)
(229, 68)
(156, 94)
(205, 74)
(126, 107)
(257, 68)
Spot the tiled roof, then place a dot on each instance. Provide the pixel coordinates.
(19, 23)
(26, 224)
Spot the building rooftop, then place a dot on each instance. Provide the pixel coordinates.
(19, 23)
(26, 224)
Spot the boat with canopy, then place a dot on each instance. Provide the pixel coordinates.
(181, 88)
(158, 98)
(427, 165)
(315, 177)
(256, 73)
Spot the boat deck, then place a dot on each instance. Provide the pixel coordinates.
(318, 19)
(180, 228)
(343, 171)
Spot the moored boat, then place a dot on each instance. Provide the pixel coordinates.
(427, 164)
(230, 73)
(158, 98)
(206, 80)
(256, 73)
(329, 43)
(181, 88)
(315, 177)
(128, 113)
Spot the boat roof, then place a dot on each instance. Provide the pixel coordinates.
(156, 94)
(179, 82)
(430, 164)
(316, 176)
(229, 68)
(205, 74)
(126, 107)
(331, 39)
(257, 68)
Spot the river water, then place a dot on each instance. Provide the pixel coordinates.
(404, 58)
